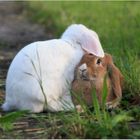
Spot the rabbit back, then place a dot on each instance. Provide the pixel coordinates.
(50, 62)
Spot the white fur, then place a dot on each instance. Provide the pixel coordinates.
(87, 38)
(47, 63)
(83, 67)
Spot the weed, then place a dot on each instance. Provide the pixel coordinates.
(6, 122)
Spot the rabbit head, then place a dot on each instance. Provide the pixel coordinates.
(90, 73)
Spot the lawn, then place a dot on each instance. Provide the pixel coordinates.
(118, 27)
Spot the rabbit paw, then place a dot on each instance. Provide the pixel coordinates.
(112, 105)
(79, 109)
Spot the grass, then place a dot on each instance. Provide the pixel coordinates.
(117, 24)
(97, 123)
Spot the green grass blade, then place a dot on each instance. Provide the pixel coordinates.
(7, 120)
(96, 105)
(104, 93)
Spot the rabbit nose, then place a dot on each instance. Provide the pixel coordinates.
(83, 72)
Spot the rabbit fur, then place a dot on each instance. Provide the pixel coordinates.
(90, 73)
(40, 76)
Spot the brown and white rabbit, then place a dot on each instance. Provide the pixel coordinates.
(90, 73)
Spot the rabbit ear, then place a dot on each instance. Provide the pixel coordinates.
(91, 44)
(88, 39)
(115, 76)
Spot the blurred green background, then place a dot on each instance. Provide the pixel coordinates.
(117, 23)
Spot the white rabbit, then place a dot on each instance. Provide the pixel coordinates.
(42, 71)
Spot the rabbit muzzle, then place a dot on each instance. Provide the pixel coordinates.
(83, 74)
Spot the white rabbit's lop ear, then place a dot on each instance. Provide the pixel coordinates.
(87, 38)
(91, 43)
(83, 67)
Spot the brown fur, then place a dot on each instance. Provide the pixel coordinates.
(95, 74)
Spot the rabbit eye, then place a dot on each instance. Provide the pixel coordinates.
(90, 54)
(98, 61)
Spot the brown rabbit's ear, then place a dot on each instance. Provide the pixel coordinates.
(115, 76)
